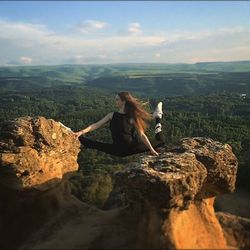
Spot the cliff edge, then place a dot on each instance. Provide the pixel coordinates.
(167, 200)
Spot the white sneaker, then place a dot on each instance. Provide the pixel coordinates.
(69, 129)
(158, 111)
(157, 128)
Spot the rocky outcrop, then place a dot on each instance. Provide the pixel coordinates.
(167, 200)
(37, 156)
(178, 189)
(36, 153)
(236, 230)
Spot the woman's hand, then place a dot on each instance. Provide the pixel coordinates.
(78, 134)
(153, 152)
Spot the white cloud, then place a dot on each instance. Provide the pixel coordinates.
(88, 26)
(49, 47)
(86, 59)
(134, 28)
(157, 55)
(25, 60)
(21, 30)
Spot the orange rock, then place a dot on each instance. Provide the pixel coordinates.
(37, 153)
(166, 202)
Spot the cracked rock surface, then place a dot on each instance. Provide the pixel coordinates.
(165, 202)
(36, 153)
(195, 169)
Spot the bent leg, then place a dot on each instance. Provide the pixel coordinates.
(159, 139)
(156, 142)
(140, 148)
(102, 146)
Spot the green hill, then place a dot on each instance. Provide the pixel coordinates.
(143, 79)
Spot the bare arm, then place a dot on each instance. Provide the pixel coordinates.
(142, 136)
(146, 141)
(97, 125)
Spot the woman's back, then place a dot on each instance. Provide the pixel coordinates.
(122, 130)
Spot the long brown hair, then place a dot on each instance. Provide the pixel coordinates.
(134, 108)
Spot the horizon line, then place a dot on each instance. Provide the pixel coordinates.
(122, 63)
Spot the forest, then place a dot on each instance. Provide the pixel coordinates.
(209, 100)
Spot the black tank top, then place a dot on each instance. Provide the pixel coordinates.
(123, 132)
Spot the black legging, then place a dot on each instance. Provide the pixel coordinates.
(122, 151)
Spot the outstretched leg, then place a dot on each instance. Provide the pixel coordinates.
(160, 138)
(102, 146)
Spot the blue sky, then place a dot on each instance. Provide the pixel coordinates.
(61, 32)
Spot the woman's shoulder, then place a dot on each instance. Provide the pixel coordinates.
(110, 115)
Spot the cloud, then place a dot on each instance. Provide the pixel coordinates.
(157, 55)
(88, 26)
(80, 59)
(20, 30)
(18, 39)
(134, 28)
(25, 60)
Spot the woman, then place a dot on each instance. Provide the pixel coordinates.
(131, 118)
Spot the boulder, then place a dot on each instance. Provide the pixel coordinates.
(36, 153)
(163, 202)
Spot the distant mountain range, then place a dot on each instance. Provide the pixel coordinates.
(142, 78)
(74, 72)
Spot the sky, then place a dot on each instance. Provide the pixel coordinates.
(104, 32)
